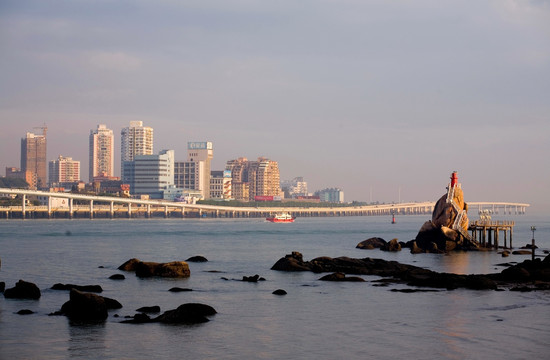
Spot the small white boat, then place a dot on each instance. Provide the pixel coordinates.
(281, 217)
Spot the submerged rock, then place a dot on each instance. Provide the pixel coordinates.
(372, 243)
(197, 258)
(172, 269)
(23, 290)
(338, 276)
(190, 313)
(85, 288)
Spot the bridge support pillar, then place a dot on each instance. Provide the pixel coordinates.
(129, 210)
(49, 207)
(112, 209)
(165, 211)
(91, 209)
(23, 204)
(71, 208)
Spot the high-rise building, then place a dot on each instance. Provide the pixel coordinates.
(135, 140)
(254, 178)
(150, 174)
(102, 153)
(194, 174)
(201, 153)
(64, 170)
(33, 158)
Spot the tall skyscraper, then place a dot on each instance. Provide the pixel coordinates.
(102, 152)
(64, 170)
(135, 140)
(33, 158)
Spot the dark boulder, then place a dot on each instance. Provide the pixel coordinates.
(372, 243)
(178, 289)
(174, 269)
(338, 276)
(84, 288)
(254, 278)
(149, 309)
(521, 252)
(117, 277)
(138, 319)
(2, 286)
(129, 265)
(85, 306)
(25, 312)
(190, 313)
(279, 292)
(291, 262)
(23, 290)
(112, 303)
(197, 258)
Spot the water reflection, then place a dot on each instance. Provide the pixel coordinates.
(86, 340)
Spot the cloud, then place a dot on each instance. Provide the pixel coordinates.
(114, 61)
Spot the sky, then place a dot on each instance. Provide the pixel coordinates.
(382, 99)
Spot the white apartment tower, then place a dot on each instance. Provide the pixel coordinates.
(135, 140)
(201, 153)
(102, 152)
(64, 170)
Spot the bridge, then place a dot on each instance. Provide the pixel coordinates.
(116, 207)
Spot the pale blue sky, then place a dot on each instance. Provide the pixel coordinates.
(361, 95)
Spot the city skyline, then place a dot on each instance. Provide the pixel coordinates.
(374, 98)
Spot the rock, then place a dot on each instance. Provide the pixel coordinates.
(529, 246)
(85, 306)
(392, 245)
(505, 253)
(85, 288)
(174, 269)
(292, 262)
(138, 319)
(112, 303)
(279, 292)
(254, 278)
(521, 252)
(23, 290)
(129, 265)
(190, 313)
(117, 277)
(178, 289)
(149, 309)
(2, 286)
(25, 312)
(338, 276)
(372, 243)
(197, 258)
(415, 249)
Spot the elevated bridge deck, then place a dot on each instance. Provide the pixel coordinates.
(115, 207)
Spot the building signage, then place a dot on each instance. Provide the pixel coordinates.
(199, 145)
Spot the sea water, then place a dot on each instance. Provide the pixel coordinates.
(315, 320)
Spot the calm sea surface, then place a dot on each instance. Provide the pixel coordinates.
(316, 319)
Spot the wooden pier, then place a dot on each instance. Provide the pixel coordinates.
(486, 232)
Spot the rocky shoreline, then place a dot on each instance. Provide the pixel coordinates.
(528, 275)
(85, 305)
